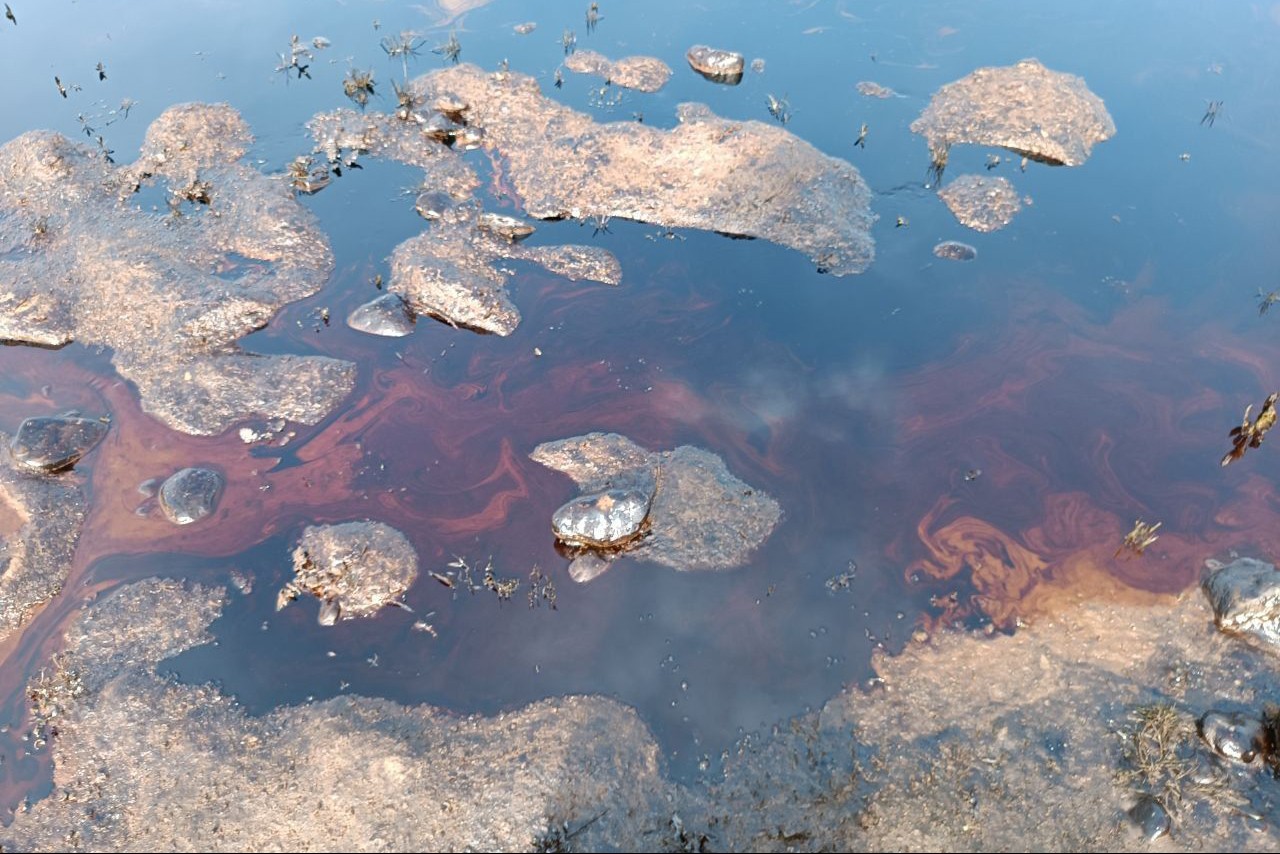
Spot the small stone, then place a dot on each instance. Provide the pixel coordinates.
(508, 228)
(954, 250)
(1245, 596)
(608, 519)
(525, 28)
(354, 568)
(387, 315)
(54, 444)
(1234, 735)
(1151, 818)
(190, 494)
(719, 66)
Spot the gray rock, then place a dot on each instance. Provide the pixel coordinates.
(1151, 818)
(51, 444)
(354, 569)
(189, 495)
(605, 520)
(1234, 735)
(719, 66)
(508, 228)
(954, 250)
(386, 315)
(1245, 597)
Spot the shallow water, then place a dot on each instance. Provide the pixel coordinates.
(1084, 369)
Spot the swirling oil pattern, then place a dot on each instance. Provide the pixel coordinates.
(951, 444)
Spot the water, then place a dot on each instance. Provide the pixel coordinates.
(1085, 368)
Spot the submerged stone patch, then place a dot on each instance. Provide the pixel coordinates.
(190, 494)
(48, 444)
(354, 569)
(954, 250)
(169, 293)
(980, 202)
(386, 315)
(642, 73)
(680, 508)
(35, 559)
(1041, 114)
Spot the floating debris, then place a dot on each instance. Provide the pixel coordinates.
(1251, 433)
(102, 71)
(593, 17)
(354, 569)
(293, 60)
(450, 50)
(8, 13)
(981, 203)
(307, 176)
(718, 66)
(757, 65)
(779, 108)
(642, 73)
(569, 42)
(972, 475)
(1211, 113)
(404, 45)
(954, 250)
(1265, 301)
(386, 315)
(861, 141)
(875, 90)
(1140, 538)
(1045, 115)
(680, 508)
(525, 28)
(358, 86)
(62, 90)
(190, 495)
(51, 444)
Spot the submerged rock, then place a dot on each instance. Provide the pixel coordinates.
(981, 202)
(354, 569)
(875, 90)
(169, 293)
(739, 178)
(642, 73)
(719, 66)
(386, 315)
(1045, 115)
(1151, 818)
(51, 444)
(954, 250)
(35, 559)
(508, 228)
(1234, 735)
(1245, 596)
(190, 494)
(700, 517)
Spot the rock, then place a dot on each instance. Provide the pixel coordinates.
(386, 315)
(508, 228)
(525, 28)
(1151, 818)
(1044, 115)
(700, 518)
(50, 444)
(1234, 735)
(190, 494)
(36, 557)
(719, 66)
(604, 520)
(954, 250)
(642, 73)
(354, 568)
(875, 90)
(1245, 597)
(171, 293)
(980, 202)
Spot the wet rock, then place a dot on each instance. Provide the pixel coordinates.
(875, 90)
(354, 569)
(1151, 818)
(1234, 735)
(169, 293)
(525, 28)
(51, 444)
(605, 520)
(1245, 597)
(508, 228)
(190, 494)
(386, 315)
(700, 517)
(36, 557)
(719, 66)
(642, 73)
(1045, 115)
(145, 762)
(981, 202)
(954, 250)
(740, 178)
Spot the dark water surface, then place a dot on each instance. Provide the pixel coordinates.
(1088, 363)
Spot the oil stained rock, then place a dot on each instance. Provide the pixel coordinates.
(954, 250)
(386, 315)
(701, 517)
(169, 293)
(718, 66)
(1234, 735)
(1045, 115)
(35, 559)
(189, 495)
(746, 179)
(980, 202)
(1245, 596)
(50, 444)
(353, 568)
(605, 520)
(145, 763)
(1151, 818)
(642, 73)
